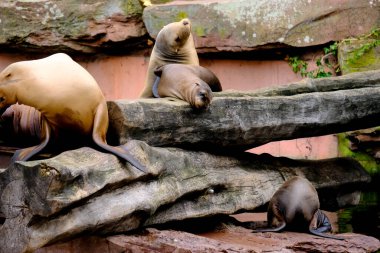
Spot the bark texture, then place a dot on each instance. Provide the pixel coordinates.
(88, 191)
(242, 120)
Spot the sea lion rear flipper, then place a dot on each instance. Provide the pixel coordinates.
(26, 153)
(210, 78)
(321, 224)
(99, 136)
(275, 229)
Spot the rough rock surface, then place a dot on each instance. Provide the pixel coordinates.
(231, 239)
(93, 26)
(244, 120)
(87, 191)
(84, 26)
(349, 62)
(246, 24)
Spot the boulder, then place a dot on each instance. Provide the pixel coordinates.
(242, 120)
(358, 55)
(118, 26)
(71, 25)
(86, 191)
(248, 25)
(231, 239)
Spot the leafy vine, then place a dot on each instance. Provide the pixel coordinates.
(300, 66)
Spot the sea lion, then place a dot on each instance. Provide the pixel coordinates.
(191, 83)
(174, 44)
(295, 205)
(68, 98)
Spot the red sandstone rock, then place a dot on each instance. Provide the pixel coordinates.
(248, 25)
(230, 239)
(89, 26)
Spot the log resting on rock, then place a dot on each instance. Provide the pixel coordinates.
(84, 190)
(243, 120)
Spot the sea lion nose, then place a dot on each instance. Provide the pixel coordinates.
(185, 22)
(203, 95)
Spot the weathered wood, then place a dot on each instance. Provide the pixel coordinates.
(244, 120)
(84, 190)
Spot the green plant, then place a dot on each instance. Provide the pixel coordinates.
(300, 66)
(331, 49)
(373, 41)
(331, 52)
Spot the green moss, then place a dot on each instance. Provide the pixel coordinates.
(160, 1)
(360, 54)
(200, 31)
(222, 32)
(132, 7)
(369, 60)
(181, 15)
(366, 160)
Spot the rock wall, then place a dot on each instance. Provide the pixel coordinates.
(79, 26)
(120, 25)
(247, 25)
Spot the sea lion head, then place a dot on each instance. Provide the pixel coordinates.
(201, 95)
(173, 37)
(9, 77)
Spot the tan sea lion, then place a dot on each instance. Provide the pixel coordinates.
(191, 83)
(68, 98)
(295, 205)
(174, 44)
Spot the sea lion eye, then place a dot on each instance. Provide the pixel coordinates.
(8, 75)
(2, 99)
(178, 39)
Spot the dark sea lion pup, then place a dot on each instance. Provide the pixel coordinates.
(67, 96)
(295, 205)
(191, 83)
(174, 44)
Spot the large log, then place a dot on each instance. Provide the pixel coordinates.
(88, 191)
(242, 120)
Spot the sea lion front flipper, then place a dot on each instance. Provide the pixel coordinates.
(99, 136)
(26, 153)
(158, 73)
(155, 87)
(320, 224)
